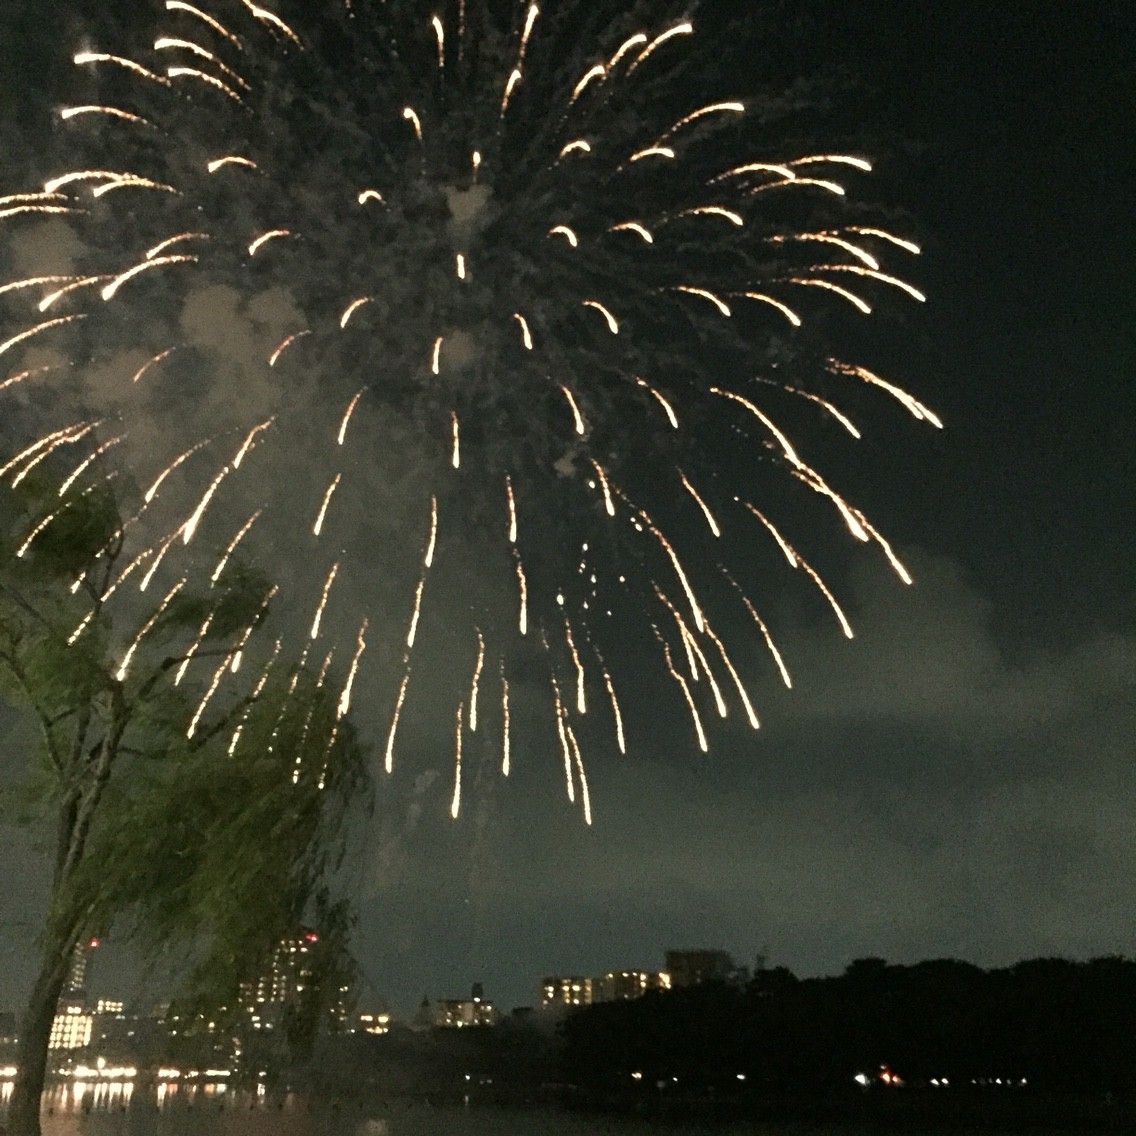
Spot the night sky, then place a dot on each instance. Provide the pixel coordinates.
(957, 781)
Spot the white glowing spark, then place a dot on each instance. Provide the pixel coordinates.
(581, 428)
(23, 336)
(231, 160)
(158, 249)
(370, 195)
(666, 546)
(705, 294)
(242, 532)
(512, 510)
(605, 487)
(314, 633)
(412, 631)
(668, 409)
(436, 361)
(578, 146)
(612, 323)
(475, 683)
(433, 532)
(455, 804)
(618, 716)
(250, 441)
(460, 259)
(274, 21)
(702, 112)
(652, 152)
(52, 298)
(564, 231)
(204, 77)
(786, 446)
(581, 697)
(411, 116)
(701, 504)
(284, 344)
(833, 159)
(318, 527)
(628, 45)
(190, 527)
(456, 458)
(84, 465)
(342, 436)
(147, 627)
(883, 277)
(683, 29)
(505, 742)
(884, 235)
(633, 227)
(360, 647)
(773, 302)
(264, 238)
(599, 71)
(713, 211)
(388, 764)
(913, 405)
(109, 292)
(219, 28)
(523, 588)
(85, 57)
(111, 112)
(440, 32)
(526, 333)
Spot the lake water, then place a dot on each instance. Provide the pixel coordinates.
(116, 1110)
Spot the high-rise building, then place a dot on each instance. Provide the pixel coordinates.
(559, 990)
(692, 968)
(458, 1013)
(74, 1022)
(624, 985)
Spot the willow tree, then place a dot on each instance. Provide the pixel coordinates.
(197, 804)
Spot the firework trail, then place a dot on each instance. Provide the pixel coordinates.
(466, 315)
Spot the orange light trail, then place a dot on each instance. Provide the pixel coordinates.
(432, 544)
(526, 334)
(773, 302)
(455, 803)
(505, 743)
(605, 487)
(110, 291)
(87, 462)
(39, 328)
(159, 358)
(342, 436)
(685, 688)
(911, 404)
(616, 714)
(232, 546)
(231, 160)
(523, 587)
(360, 647)
(683, 29)
(512, 510)
(567, 233)
(612, 323)
(168, 43)
(53, 297)
(585, 796)
(599, 71)
(264, 238)
(85, 57)
(456, 459)
(633, 227)
(314, 633)
(581, 696)
(581, 429)
(411, 116)
(412, 631)
(665, 544)
(111, 112)
(705, 294)
(250, 441)
(475, 683)
(701, 504)
(219, 28)
(671, 416)
(147, 627)
(285, 344)
(204, 77)
(786, 446)
(273, 21)
(565, 751)
(318, 527)
(388, 763)
(789, 551)
(754, 721)
(189, 529)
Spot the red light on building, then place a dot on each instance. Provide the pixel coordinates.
(92, 944)
(312, 937)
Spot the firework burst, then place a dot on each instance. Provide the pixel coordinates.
(476, 322)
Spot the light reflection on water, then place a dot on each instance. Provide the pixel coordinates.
(108, 1108)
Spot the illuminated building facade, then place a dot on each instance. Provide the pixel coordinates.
(72, 1026)
(566, 991)
(460, 1013)
(624, 985)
